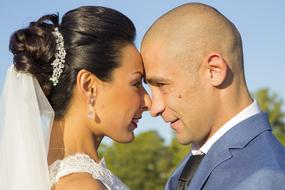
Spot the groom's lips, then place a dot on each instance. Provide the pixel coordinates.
(173, 124)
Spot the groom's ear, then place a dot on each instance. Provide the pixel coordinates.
(86, 84)
(217, 69)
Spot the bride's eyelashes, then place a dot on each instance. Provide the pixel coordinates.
(138, 83)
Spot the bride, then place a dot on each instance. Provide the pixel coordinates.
(70, 85)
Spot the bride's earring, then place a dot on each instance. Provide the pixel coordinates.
(91, 107)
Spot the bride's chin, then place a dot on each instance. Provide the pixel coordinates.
(127, 138)
(132, 137)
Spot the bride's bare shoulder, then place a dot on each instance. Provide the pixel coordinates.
(82, 181)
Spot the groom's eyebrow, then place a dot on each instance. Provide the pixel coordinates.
(155, 80)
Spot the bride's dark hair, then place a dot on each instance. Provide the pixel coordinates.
(93, 39)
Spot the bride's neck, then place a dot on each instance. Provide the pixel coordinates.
(69, 136)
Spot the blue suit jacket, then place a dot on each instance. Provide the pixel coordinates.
(247, 157)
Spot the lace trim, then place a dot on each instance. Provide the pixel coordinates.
(77, 163)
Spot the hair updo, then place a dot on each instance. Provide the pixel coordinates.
(93, 39)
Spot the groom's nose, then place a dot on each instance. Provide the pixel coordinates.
(157, 104)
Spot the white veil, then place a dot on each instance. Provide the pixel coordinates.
(25, 123)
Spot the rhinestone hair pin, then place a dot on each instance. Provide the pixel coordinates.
(58, 63)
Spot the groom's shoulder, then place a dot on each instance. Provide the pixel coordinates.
(82, 181)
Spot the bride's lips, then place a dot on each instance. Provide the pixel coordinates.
(134, 124)
(135, 121)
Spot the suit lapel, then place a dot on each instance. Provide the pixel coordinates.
(210, 162)
(238, 137)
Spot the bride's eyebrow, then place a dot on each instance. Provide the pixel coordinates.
(138, 72)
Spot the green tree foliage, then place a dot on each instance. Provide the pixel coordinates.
(272, 104)
(280, 136)
(143, 164)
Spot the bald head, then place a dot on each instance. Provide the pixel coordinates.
(192, 31)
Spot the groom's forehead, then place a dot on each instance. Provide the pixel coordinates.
(154, 55)
(160, 73)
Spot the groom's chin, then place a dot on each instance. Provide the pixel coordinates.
(182, 139)
(184, 142)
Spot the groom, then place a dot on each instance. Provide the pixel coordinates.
(193, 61)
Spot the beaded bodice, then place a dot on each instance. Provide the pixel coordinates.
(79, 162)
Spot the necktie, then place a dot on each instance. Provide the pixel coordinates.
(189, 171)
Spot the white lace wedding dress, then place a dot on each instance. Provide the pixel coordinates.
(77, 163)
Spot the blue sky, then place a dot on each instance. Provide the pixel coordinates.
(260, 22)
